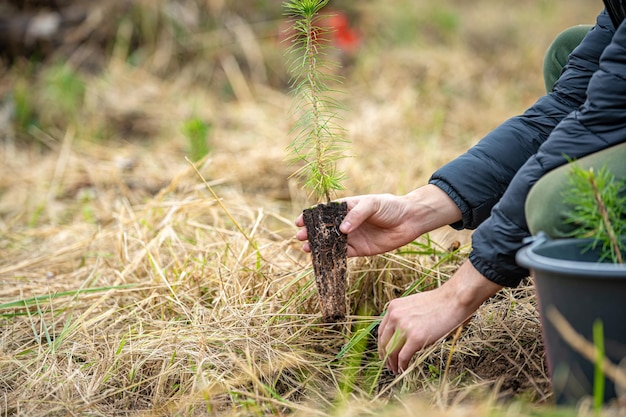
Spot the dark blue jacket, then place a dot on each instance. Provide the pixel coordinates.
(585, 113)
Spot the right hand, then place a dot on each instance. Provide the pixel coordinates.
(379, 223)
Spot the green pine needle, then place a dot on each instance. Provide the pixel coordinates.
(598, 210)
(318, 139)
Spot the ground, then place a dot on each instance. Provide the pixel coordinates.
(144, 275)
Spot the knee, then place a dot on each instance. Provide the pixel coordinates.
(544, 205)
(559, 50)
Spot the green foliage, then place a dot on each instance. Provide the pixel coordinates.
(426, 23)
(62, 92)
(22, 306)
(598, 210)
(318, 139)
(54, 98)
(197, 133)
(24, 106)
(446, 21)
(361, 367)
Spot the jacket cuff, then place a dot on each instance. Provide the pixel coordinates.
(458, 200)
(489, 270)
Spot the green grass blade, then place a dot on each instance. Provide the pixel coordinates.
(598, 375)
(27, 302)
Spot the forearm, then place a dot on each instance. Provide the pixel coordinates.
(430, 208)
(468, 288)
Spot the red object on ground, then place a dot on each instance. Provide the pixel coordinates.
(336, 30)
(342, 35)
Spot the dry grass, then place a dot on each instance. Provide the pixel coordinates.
(127, 289)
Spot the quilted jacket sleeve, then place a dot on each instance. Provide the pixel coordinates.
(585, 112)
(598, 124)
(477, 180)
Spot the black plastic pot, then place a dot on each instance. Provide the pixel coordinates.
(572, 281)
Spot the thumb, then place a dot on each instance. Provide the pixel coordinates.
(346, 226)
(355, 217)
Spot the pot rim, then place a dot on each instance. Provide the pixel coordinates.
(529, 258)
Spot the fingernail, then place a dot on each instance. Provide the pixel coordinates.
(345, 227)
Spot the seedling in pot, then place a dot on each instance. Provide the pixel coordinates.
(318, 144)
(598, 210)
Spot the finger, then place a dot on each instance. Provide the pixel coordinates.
(350, 201)
(406, 354)
(394, 347)
(300, 221)
(389, 347)
(302, 234)
(392, 363)
(346, 227)
(306, 247)
(360, 212)
(381, 342)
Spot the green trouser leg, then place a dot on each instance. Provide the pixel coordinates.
(545, 210)
(557, 53)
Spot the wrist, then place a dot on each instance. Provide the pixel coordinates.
(468, 288)
(430, 208)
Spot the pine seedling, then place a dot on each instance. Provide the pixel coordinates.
(318, 139)
(317, 145)
(598, 210)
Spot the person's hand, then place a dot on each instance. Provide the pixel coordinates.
(378, 223)
(374, 224)
(417, 321)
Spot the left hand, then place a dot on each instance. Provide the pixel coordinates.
(417, 321)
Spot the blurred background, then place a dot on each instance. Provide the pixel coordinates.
(194, 77)
(102, 101)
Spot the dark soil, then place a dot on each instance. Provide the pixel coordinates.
(513, 377)
(329, 250)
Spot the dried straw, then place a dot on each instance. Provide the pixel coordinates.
(127, 289)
